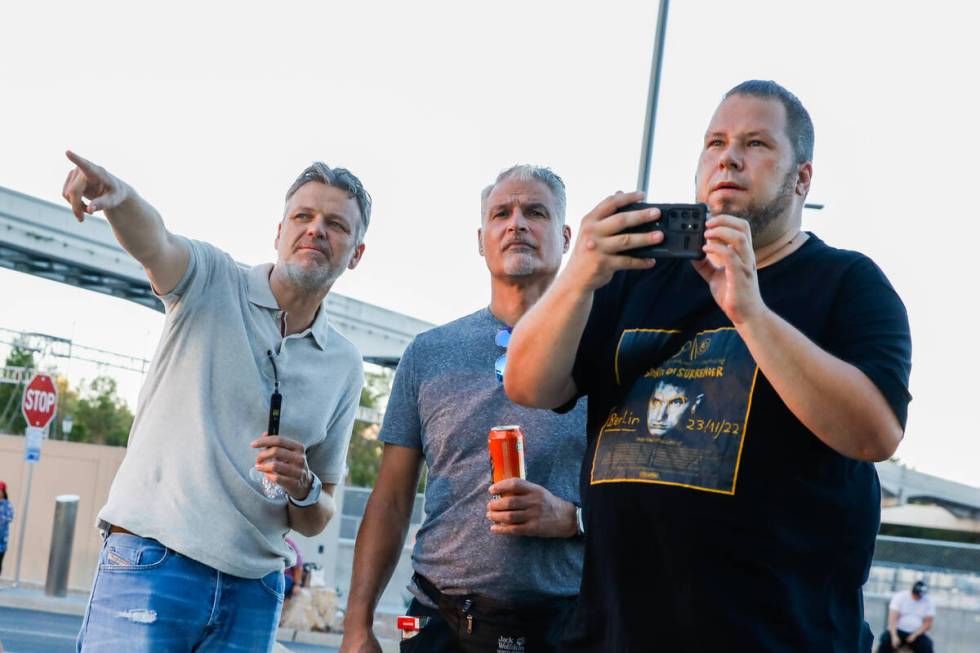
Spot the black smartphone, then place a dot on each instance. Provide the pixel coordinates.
(683, 227)
(275, 410)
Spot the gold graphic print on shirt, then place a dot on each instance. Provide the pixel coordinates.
(683, 421)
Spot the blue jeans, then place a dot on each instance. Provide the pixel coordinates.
(147, 598)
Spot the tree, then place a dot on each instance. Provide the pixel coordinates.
(364, 455)
(11, 419)
(67, 405)
(100, 415)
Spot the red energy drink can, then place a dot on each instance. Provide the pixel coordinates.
(506, 444)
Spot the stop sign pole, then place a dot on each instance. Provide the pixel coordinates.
(38, 405)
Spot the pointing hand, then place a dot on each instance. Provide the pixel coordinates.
(87, 180)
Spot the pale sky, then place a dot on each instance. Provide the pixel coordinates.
(211, 109)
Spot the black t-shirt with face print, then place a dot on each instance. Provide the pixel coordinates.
(714, 519)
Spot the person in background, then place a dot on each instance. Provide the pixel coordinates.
(6, 519)
(294, 574)
(910, 615)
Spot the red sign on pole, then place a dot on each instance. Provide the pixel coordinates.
(40, 401)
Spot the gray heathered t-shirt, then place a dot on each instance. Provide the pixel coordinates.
(444, 401)
(186, 480)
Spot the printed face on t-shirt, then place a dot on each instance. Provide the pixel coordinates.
(680, 420)
(668, 403)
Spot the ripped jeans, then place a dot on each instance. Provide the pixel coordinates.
(147, 598)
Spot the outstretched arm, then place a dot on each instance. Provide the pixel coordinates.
(137, 226)
(542, 349)
(379, 543)
(893, 627)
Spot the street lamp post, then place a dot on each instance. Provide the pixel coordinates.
(653, 95)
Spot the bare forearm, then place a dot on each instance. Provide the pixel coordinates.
(311, 520)
(140, 230)
(376, 552)
(832, 398)
(926, 625)
(544, 344)
(137, 226)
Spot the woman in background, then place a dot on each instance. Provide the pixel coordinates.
(6, 517)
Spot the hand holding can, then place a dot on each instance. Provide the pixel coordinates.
(506, 445)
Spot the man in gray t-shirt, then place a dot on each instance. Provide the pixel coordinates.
(487, 570)
(196, 516)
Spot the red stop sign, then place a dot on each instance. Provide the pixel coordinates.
(40, 401)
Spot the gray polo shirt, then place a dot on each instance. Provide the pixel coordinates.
(185, 479)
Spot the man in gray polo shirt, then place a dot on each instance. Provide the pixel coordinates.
(195, 519)
(491, 573)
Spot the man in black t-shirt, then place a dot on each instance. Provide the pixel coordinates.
(735, 406)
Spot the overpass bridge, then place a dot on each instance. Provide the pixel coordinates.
(901, 485)
(45, 240)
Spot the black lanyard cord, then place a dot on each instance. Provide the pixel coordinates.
(275, 371)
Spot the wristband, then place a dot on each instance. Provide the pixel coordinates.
(579, 522)
(312, 496)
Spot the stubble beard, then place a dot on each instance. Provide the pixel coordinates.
(760, 217)
(520, 265)
(311, 279)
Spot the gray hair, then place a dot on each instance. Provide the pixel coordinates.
(799, 126)
(526, 172)
(343, 179)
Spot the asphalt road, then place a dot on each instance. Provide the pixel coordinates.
(28, 631)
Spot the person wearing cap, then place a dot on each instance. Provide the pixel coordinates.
(6, 519)
(496, 566)
(910, 615)
(243, 422)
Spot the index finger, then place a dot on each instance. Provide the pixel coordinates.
(725, 220)
(266, 440)
(622, 220)
(511, 486)
(91, 170)
(608, 206)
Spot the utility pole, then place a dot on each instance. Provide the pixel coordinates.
(653, 95)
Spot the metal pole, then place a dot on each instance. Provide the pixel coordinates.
(62, 538)
(331, 537)
(653, 94)
(23, 523)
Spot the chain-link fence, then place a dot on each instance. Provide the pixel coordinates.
(952, 572)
